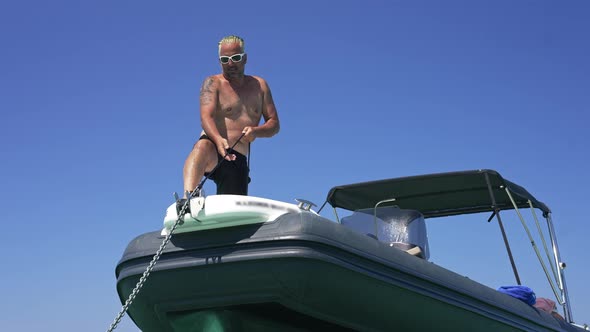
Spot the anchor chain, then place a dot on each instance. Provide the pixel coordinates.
(149, 269)
(146, 273)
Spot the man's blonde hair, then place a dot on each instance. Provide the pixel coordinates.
(231, 39)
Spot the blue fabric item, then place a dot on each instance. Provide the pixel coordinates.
(522, 293)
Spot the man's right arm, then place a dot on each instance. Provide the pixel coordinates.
(208, 102)
(209, 99)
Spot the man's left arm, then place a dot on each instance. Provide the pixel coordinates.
(271, 124)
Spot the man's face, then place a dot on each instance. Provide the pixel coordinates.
(232, 69)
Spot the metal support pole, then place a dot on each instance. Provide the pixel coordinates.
(561, 266)
(336, 214)
(533, 244)
(545, 247)
(497, 212)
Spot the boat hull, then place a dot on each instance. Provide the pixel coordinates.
(303, 272)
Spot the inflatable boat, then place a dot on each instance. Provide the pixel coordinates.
(241, 263)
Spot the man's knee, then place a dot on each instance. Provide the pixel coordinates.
(205, 145)
(204, 153)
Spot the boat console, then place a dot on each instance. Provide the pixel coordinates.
(401, 228)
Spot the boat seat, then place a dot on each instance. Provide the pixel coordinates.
(400, 228)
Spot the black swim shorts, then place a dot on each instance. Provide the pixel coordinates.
(231, 177)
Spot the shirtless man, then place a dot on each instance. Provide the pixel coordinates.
(232, 104)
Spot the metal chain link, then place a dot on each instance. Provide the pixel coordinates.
(150, 267)
(142, 280)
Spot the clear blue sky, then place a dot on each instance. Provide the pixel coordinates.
(99, 108)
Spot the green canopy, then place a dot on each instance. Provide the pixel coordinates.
(436, 195)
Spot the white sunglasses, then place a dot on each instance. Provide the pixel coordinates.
(234, 58)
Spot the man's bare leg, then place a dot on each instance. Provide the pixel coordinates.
(201, 159)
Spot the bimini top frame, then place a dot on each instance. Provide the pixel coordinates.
(436, 195)
(455, 193)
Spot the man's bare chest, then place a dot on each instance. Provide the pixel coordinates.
(234, 104)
